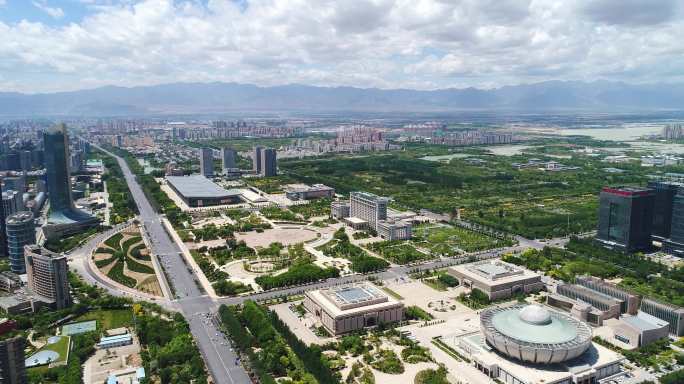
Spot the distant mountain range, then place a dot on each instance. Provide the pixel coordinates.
(199, 98)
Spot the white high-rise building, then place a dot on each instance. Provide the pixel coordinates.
(369, 207)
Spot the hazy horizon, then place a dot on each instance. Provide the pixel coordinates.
(261, 86)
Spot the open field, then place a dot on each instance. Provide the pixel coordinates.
(285, 236)
(109, 318)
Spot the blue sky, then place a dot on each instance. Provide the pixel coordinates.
(16, 10)
(55, 45)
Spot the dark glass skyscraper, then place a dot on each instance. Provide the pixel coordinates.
(269, 167)
(626, 218)
(206, 156)
(228, 158)
(665, 192)
(675, 245)
(58, 176)
(3, 235)
(256, 164)
(63, 213)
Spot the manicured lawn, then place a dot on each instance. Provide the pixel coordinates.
(61, 347)
(398, 252)
(445, 240)
(108, 319)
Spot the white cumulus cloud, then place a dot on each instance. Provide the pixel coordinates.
(369, 43)
(54, 12)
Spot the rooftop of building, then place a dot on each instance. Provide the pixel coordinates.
(628, 191)
(595, 295)
(57, 128)
(9, 194)
(198, 186)
(126, 375)
(536, 324)
(14, 300)
(370, 196)
(306, 188)
(611, 287)
(494, 271)
(666, 184)
(115, 339)
(356, 220)
(350, 299)
(10, 275)
(671, 307)
(645, 322)
(355, 294)
(394, 223)
(596, 356)
(20, 217)
(38, 250)
(71, 216)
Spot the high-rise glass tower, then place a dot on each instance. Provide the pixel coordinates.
(269, 162)
(665, 192)
(626, 218)
(256, 158)
(228, 158)
(206, 162)
(62, 209)
(20, 230)
(3, 237)
(675, 244)
(58, 176)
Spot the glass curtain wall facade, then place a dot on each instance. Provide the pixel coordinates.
(626, 218)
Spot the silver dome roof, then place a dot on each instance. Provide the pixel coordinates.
(535, 315)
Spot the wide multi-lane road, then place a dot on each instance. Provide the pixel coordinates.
(194, 304)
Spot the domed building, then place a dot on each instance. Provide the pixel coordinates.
(534, 334)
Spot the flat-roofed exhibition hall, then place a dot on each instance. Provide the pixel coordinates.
(198, 191)
(534, 334)
(350, 307)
